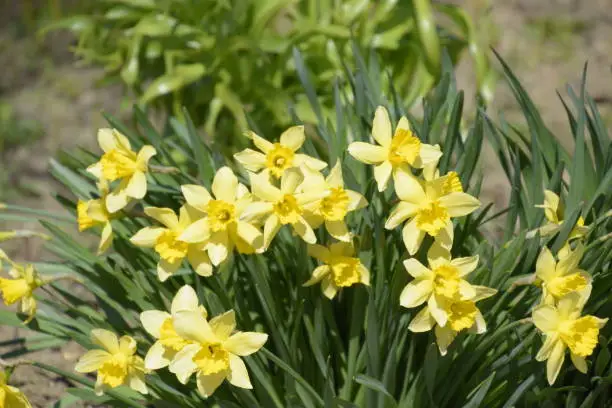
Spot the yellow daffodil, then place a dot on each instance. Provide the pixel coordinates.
(159, 324)
(554, 210)
(560, 278)
(120, 163)
(24, 282)
(278, 157)
(221, 227)
(167, 244)
(461, 314)
(215, 354)
(333, 208)
(117, 363)
(93, 213)
(11, 397)
(340, 268)
(429, 205)
(394, 150)
(282, 206)
(564, 328)
(443, 280)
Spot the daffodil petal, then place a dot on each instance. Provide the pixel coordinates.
(334, 179)
(367, 153)
(137, 185)
(428, 154)
(416, 269)
(238, 375)
(408, 187)
(356, 200)
(317, 275)
(271, 227)
(256, 210)
(199, 231)
(182, 365)
(465, 265)
(381, 127)
(245, 343)
(106, 139)
(545, 318)
(207, 384)
(412, 237)
(338, 230)
(304, 230)
(422, 322)
(444, 338)
(459, 204)
(116, 201)
(301, 160)
(145, 154)
(579, 363)
(249, 234)
(437, 312)
(555, 361)
(291, 179)
(191, 325)
(549, 344)
(185, 299)
(293, 138)
(166, 269)
(106, 238)
(158, 356)
(196, 196)
(545, 265)
(127, 345)
(152, 321)
(328, 288)
(136, 381)
(416, 293)
(319, 252)
(147, 237)
(262, 189)
(261, 143)
(105, 339)
(91, 361)
(165, 216)
(223, 325)
(225, 184)
(382, 174)
(400, 213)
(482, 292)
(251, 159)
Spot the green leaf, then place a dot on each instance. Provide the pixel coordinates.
(377, 386)
(480, 392)
(181, 76)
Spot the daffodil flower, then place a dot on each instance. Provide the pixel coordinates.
(564, 328)
(116, 363)
(275, 158)
(394, 150)
(120, 163)
(443, 280)
(340, 268)
(167, 244)
(461, 314)
(11, 397)
(94, 213)
(159, 324)
(24, 282)
(429, 206)
(560, 278)
(221, 227)
(554, 210)
(215, 354)
(282, 206)
(332, 209)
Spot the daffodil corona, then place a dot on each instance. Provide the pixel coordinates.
(554, 210)
(564, 328)
(94, 213)
(429, 206)
(119, 163)
(275, 158)
(216, 350)
(221, 228)
(116, 363)
(396, 151)
(340, 268)
(166, 242)
(557, 279)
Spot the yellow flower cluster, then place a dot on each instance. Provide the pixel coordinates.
(287, 188)
(565, 290)
(11, 397)
(21, 286)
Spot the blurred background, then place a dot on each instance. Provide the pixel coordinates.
(65, 62)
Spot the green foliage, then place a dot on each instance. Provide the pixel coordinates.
(229, 61)
(357, 350)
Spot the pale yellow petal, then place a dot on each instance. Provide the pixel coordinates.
(127, 345)
(261, 143)
(165, 216)
(381, 127)
(147, 237)
(191, 325)
(422, 322)
(117, 200)
(256, 210)
(319, 252)
(416, 269)
(304, 230)
(96, 170)
(91, 361)
(136, 381)
(223, 325)
(570, 260)
(293, 138)
(238, 375)
(262, 189)
(546, 318)
(271, 228)
(291, 179)
(207, 384)
(412, 237)
(245, 343)
(196, 196)
(106, 238)
(105, 339)
(199, 231)
(317, 275)
(302, 160)
(224, 185)
(546, 265)
(367, 153)
(416, 293)
(549, 344)
(328, 288)
(400, 213)
(382, 174)
(356, 200)
(185, 299)
(152, 321)
(106, 139)
(365, 274)
(428, 155)
(338, 230)
(482, 292)
(444, 338)
(579, 362)
(408, 188)
(437, 311)
(218, 247)
(334, 179)
(137, 186)
(555, 361)
(465, 265)
(144, 155)
(249, 234)
(251, 159)
(459, 204)
(445, 237)
(166, 269)
(182, 365)
(158, 356)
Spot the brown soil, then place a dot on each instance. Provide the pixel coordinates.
(546, 42)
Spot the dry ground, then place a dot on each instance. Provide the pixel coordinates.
(545, 41)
